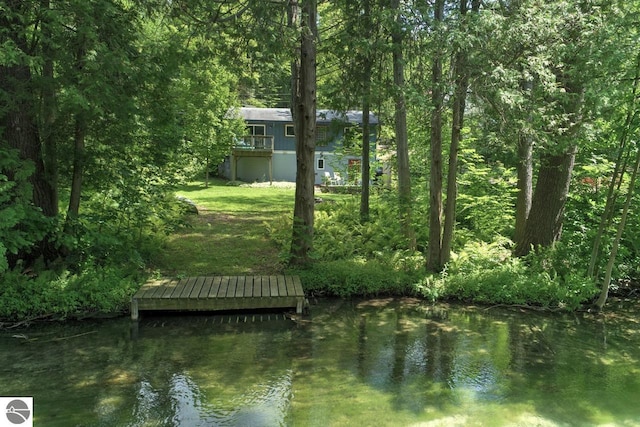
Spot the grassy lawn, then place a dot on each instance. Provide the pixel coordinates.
(228, 236)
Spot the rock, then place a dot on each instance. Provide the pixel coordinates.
(187, 205)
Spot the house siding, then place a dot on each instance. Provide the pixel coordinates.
(252, 169)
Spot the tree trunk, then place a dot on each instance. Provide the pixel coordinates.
(618, 172)
(305, 119)
(434, 259)
(78, 144)
(461, 85)
(544, 225)
(19, 123)
(524, 168)
(604, 292)
(18, 120)
(48, 135)
(365, 169)
(364, 194)
(402, 144)
(78, 171)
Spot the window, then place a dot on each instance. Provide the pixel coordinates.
(289, 131)
(322, 136)
(256, 130)
(256, 135)
(320, 163)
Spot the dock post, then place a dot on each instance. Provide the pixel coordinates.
(134, 309)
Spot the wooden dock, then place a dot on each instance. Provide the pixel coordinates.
(215, 293)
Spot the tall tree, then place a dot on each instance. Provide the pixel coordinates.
(544, 223)
(304, 116)
(524, 168)
(48, 96)
(400, 121)
(81, 40)
(18, 114)
(460, 71)
(434, 258)
(367, 64)
(606, 283)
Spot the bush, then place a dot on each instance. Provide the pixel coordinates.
(356, 277)
(96, 290)
(487, 273)
(22, 225)
(354, 258)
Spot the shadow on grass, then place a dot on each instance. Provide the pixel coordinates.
(221, 244)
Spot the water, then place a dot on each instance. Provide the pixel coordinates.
(377, 362)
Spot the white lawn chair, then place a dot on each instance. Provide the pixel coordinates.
(337, 179)
(327, 178)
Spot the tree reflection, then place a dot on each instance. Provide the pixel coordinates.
(378, 362)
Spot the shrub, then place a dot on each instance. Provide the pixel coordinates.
(355, 277)
(63, 294)
(487, 273)
(21, 224)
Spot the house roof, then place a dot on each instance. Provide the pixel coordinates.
(284, 115)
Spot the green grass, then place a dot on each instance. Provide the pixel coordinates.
(228, 236)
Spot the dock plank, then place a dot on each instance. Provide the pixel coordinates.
(273, 286)
(231, 290)
(162, 286)
(148, 287)
(206, 287)
(257, 286)
(177, 289)
(169, 288)
(282, 286)
(240, 287)
(291, 291)
(215, 287)
(191, 281)
(195, 292)
(248, 287)
(158, 289)
(298, 286)
(224, 285)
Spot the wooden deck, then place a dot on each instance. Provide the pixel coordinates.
(214, 293)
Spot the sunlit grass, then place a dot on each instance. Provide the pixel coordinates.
(228, 236)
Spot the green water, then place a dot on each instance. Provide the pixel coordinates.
(370, 363)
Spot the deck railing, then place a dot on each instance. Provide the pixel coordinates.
(254, 142)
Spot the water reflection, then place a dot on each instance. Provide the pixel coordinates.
(377, 362)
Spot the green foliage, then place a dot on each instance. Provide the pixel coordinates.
(104, 259)
(486, 197)
(340, 234)
(21, 223)
(124, 226)
(487, 273)
(154, 86)
(96, 290)
(353, 258)
(356, 277)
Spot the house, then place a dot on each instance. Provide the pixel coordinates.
(267, 151)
